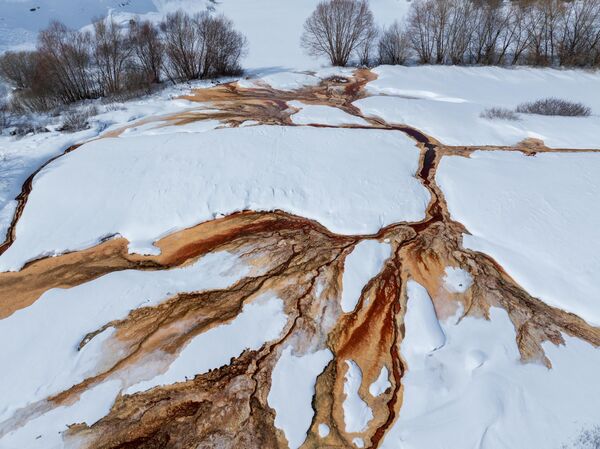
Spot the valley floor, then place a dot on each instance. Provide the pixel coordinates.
(319, 259)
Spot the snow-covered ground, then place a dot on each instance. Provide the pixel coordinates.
(149, 186)
(259, 322)
(22, 156)
(323, 115)
(473, 391)
(293, 406)
(537, 216)
(446, 103)
(362, 264)
(47, 333)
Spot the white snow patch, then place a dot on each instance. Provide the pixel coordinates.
(446, 103)
(381, 384)
(357, 413)
(292, 391)
(47, 333)
(361, 265)
(323, 430)
(538, 217)
(351, 181)
(475, 392)
(358, 442)
(323, 115)
(457, 280)
(45, 431)
(426, 334)
(259, 322)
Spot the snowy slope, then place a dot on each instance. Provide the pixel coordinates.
(159, 184)
(537, 216)
(445, 102)
(473, 392)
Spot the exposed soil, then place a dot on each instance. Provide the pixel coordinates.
(300, 261)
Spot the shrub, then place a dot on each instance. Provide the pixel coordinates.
(587, 439)
(339, 30)
(499, 113)
(19, 68)
(201, 46)
(148, 48)
(78, 119)
(554, 106)
(393, 45)
(111, 51)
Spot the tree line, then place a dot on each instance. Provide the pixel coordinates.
(73, 65)
(461, 32)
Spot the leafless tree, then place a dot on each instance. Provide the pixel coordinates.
(148, 49)
(338, 29)
(66, 57)
(20, 68)
(224, 47)
(184, 47)
(201, 46)
(112, 51)
(393, 45)
(579, 32)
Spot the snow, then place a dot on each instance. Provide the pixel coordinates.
(457, 280)
(292, 390)
(259, 322)
(475, 392)
(426, 333)
(446, 103)
(361, 265)
(323, 115)
(45, 431)
(47, 333)
(20, 157)
(323, 430)
(351, 181)
(538, 217)
(381, 384)
(283, 80)
(357, 413)
(358, 442)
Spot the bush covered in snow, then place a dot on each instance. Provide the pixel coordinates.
(78, 119)
(554, 106)
(588, 439)
(499, 113)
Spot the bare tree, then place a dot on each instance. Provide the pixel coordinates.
(421, 30)
(338, 29)
(224, 47)
(579, 32)
(201, 46)
(148, 49)
(184, 47)
(112, 51)
(65, 55)
(20, 68)
(393, 45)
